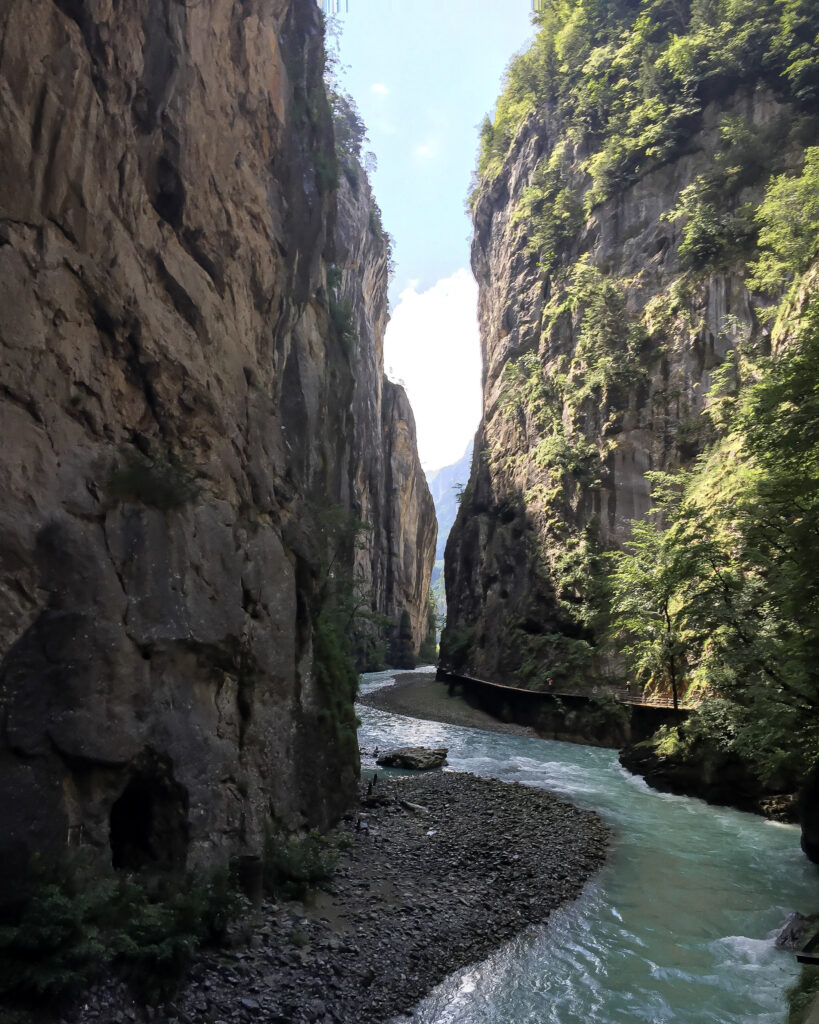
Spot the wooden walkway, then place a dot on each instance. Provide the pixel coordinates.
(622, 695)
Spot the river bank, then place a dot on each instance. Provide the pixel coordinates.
(420, 695)
(685, 910)
(417, 894)
(718, 778)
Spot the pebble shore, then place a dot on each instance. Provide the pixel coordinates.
(420, 695)
(420, 892)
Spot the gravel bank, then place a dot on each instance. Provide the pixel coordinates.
(417, 895)
(419, 695)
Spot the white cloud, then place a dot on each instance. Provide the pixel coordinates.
(379, 89)
(432, 347)
(427, 149)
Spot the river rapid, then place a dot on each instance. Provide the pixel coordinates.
(678, 927)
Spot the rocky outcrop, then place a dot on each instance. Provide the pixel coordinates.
(808, 813)
(412, 528)
(394, 557)
(593, 376)
(418, 758)
(718, 777)
(445, 486)
(181, 402)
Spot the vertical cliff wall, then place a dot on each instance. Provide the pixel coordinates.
(395, 556)
(180, 405)
(605, 310)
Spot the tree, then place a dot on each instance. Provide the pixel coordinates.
(648, 610)
(723, 587)
(768, 642)
(789, 226)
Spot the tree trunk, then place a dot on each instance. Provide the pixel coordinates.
(672, 666)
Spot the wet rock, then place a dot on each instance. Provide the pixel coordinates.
(714, 776)
(797, 930)
(418, 758)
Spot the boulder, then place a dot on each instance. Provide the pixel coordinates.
(420, 758)
(796, 931)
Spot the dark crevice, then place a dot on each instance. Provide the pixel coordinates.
(191, 239)
(37, 125)
(149, 821)
(159, 61)
(182, 302)
(169, 196)
(244, 692)
(77, 12)
(26, 403)
(135, 365)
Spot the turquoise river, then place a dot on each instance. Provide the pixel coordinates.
(679, 925)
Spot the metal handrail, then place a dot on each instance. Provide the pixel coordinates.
(622, 694)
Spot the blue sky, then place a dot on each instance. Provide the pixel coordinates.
(423, 75)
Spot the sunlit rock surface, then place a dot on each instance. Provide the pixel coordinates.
(514, 609)
(176, 411)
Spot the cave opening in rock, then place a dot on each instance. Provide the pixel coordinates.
(149, 824)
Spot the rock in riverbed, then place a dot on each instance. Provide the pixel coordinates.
(419, 758)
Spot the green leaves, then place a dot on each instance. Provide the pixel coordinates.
(626, 81)
(789, 227)
(721, 587)
(551, 212)
(148, 927)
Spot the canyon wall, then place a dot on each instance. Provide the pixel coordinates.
(191, 321)
(596, 371)
(393, 559)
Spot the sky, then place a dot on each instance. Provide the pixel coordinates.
(423, 75)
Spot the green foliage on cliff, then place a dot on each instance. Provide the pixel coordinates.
(613, 90)
(337, 680)
(342, 321)
(295, 864)
(729, 572)
(608, 340)
(341, 602)
(718, 227)
(650, 600)
(789, 226)
(551, 208)
(160, 479)
(625, 81)
(147, 928)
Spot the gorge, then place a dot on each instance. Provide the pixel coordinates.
(214, 517)
(634, 508)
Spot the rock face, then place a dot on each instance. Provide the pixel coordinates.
(419, 758)
(181, 401)
(590, 381)
(393, 563)
(411, 528)
(808, 811)
(444, 485)
(714, 776)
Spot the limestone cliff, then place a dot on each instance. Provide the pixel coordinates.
(394, 559)
(597, 360)
(183, 401)
(445, 485)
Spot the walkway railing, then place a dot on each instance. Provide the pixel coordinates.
(652, 700)
(620, 694)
